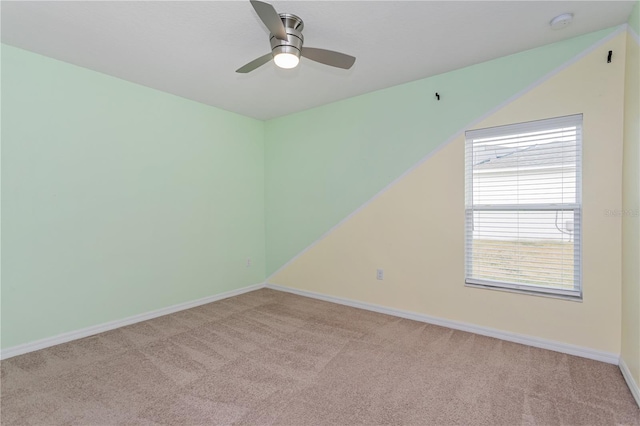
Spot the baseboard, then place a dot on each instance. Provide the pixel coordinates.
(95, 329)
(457, 325)
(537, 342)
(633, 386)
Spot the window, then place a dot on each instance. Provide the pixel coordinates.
(523, 207)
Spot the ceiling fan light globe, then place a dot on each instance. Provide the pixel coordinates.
(286, 60)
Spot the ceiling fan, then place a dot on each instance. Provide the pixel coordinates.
(287, 40)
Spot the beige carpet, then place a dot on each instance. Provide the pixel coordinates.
(268, 357)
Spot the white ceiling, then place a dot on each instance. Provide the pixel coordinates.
(192, 49)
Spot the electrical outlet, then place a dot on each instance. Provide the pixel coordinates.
(380, 274)
(248, 262)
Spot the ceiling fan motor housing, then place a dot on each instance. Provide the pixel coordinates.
(286, 43)
(293, 26)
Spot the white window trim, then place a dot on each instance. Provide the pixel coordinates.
(537, 290)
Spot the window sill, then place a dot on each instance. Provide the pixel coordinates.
(526, 292)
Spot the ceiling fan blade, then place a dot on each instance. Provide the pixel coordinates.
(329, 57)
(256, 63)
(270, 18)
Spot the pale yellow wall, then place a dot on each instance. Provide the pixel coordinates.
(415, 230)
(630, 220)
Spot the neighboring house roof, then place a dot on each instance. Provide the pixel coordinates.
(553, 154)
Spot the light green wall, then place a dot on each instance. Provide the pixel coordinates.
(322, 164)
(634, 18)
(118, 199)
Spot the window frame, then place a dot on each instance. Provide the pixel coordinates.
(511, 130)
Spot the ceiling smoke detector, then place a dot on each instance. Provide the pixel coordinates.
(561, 21)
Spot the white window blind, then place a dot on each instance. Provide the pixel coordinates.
(523, 206)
